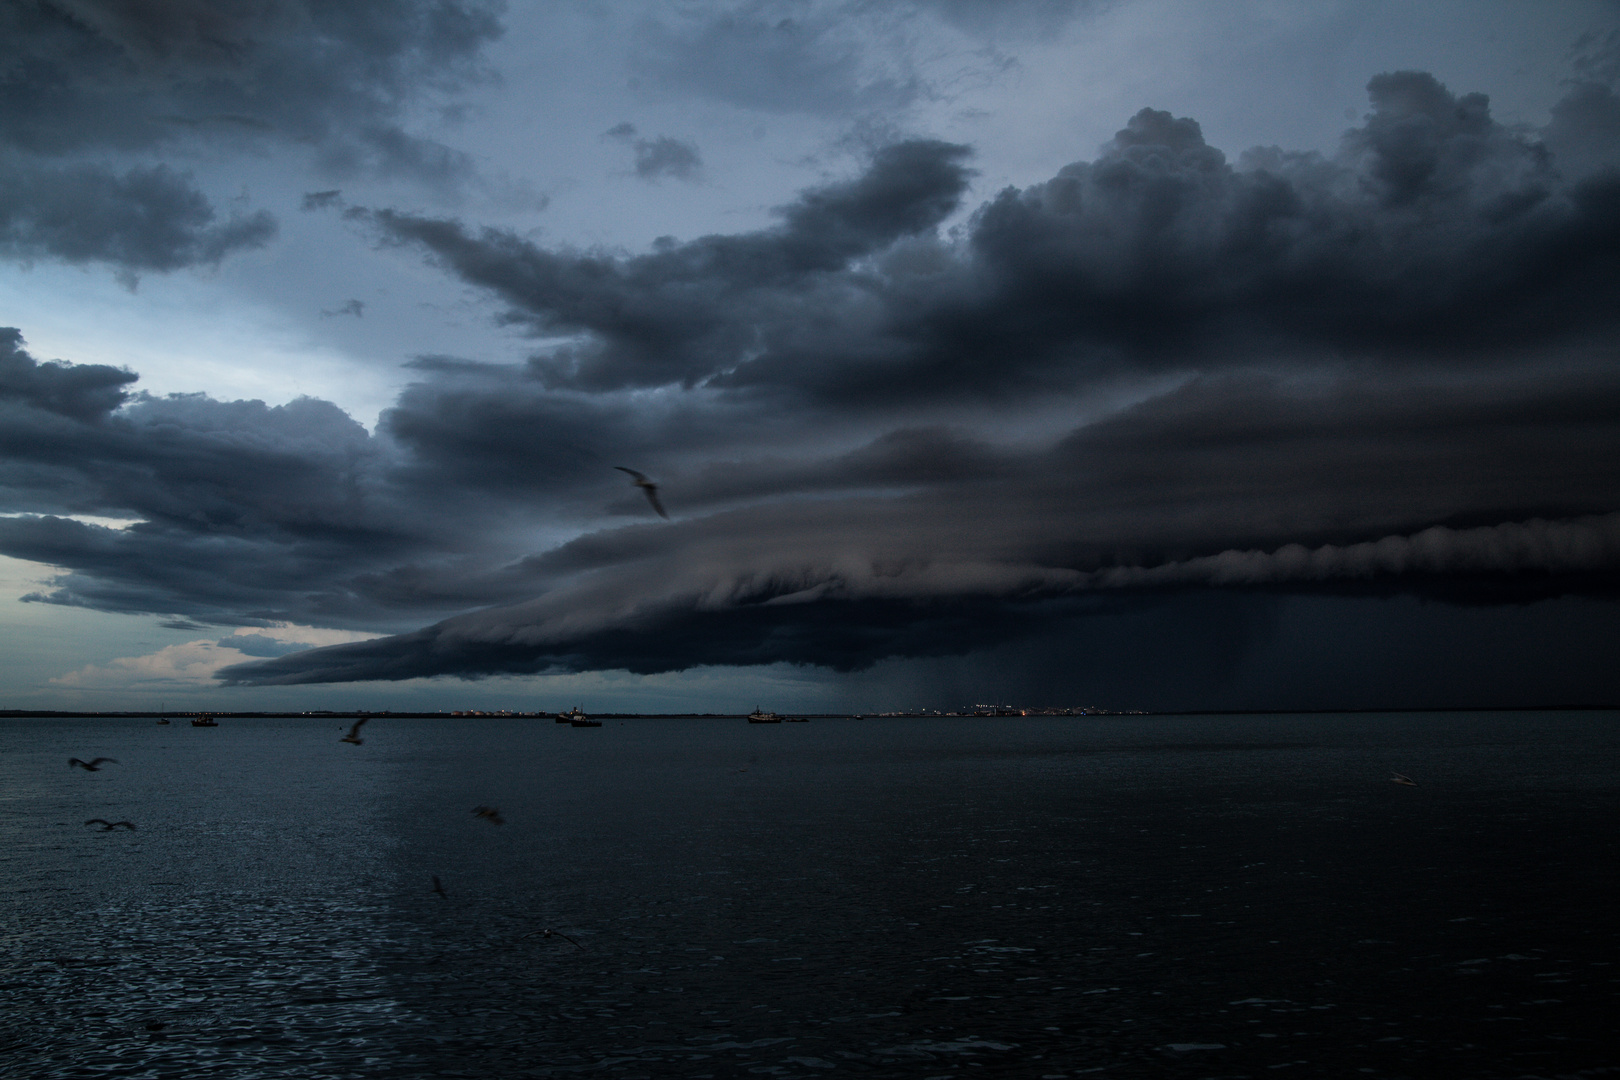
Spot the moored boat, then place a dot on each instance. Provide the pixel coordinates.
(760, 717)
(577, 718)
(203, 721)
(163, 719)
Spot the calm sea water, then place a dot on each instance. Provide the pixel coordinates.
(1168, 897)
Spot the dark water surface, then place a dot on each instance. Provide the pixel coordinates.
(1117, 897)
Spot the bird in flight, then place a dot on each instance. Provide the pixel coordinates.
(93, 765)
(354, 733)
(489, 814)
(1402, 778)
(109, 826)
(555, 933)
(647, 486)
(438, 888)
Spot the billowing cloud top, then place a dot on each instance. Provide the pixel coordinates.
(1390, 369)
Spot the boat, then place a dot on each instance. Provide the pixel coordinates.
(577, 718)
(759, 717)
(163, 719)
(203, 721)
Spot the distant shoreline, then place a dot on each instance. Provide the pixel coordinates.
(46, 714)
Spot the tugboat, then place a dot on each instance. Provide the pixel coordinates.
(203, 721)
(758, 717)
(579, 719)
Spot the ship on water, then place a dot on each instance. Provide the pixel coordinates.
(576, 716)
(760, 717)
(203, 721)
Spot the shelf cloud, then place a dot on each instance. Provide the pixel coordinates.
(894, 424)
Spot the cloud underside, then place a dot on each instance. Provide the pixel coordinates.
(849, 618)
(1387, 370)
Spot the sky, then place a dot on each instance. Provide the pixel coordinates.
(1135, 354)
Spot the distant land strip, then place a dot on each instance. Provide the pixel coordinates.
(45, 714)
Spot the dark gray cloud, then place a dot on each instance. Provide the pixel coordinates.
(1250, 484)
(686, 312)
(661, 156)
(1385, 373)
(105, 75)
(665, 156)
(322, 200)
(1434, 235)
(147, 219)
(83, 392)
(86, 83)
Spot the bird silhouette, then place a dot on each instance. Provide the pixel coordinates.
(648, 487)
(555, 933)
(109, 826)
(93, 765)
(489, 814)
(354, 733)
(1402, 778)
(438, 888)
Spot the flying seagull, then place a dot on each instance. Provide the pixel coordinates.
(354, 733)
(109, 826)
(489, 814)
(555, 933)
(646, 485)
(1402, 778)
(438, 888)
(93, 765)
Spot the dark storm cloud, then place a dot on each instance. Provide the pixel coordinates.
(1229, 483)
(86, 80)
(99, 74)
(292, 492)
(80, 391)
(147, 219)
(1155, 376)
(1435, 234)
(686, 311)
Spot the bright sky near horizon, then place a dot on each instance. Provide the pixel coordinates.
(1145, 354)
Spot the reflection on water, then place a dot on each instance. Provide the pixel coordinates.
(1043, 898)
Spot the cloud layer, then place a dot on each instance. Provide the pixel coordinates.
(1389, 370)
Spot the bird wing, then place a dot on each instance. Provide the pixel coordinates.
(99, 821)
(640, 478)
(125, 824)
(99, 760)
(72, 761)
(568, 939)
(652, 497)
